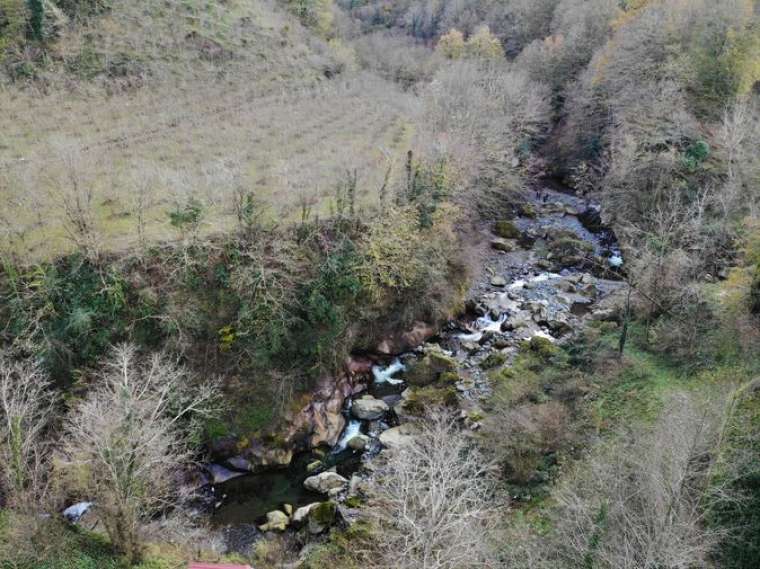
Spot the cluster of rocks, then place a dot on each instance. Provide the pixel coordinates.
(316, 517)
(515, 300)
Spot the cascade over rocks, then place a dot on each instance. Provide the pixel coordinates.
(514, 303)
(321, 421)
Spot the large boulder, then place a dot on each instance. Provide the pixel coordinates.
(398, 437)
(320, 420)
(219, 473)
(325, 482)
(359, 442)
(321, 517)
(368, 408)
(430, 367)
(302, 514)
(506, 230)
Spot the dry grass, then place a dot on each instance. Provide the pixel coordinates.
(285, 145)
(261, 117)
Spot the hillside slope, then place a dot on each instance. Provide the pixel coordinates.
(145, 111)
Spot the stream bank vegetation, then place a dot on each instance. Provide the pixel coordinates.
(210, 205)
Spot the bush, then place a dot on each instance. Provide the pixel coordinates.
(68, 313)
(422, 400)
(522, 437)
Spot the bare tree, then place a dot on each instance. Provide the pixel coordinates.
(130, 435)
(26, 409)
(143, 185)
(433, 502)
(73, 192)
(642, 502)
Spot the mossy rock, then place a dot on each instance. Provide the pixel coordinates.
(494, 359)
(421, 400)
(324, 513)
(570, 250)
(505, 245)
(440, 362)
(322, 517)
(506, 230)
(449, 377)
(527, 210)
(539, 346)
(430, 368)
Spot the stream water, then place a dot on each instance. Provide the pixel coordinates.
(244, 501)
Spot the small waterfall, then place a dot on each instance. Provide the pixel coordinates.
(482, 325)
(352, 428)
(385, 374)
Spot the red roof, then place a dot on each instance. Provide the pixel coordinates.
(216, 566)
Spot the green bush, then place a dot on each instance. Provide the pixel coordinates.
(506, 229)
(494, 359)
(70, 311)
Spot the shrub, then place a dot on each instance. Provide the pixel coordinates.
(494, 359)
(540, 346)
(523, 436)
(506, 229)
(421, 400)
(68, 313)
(452, 44)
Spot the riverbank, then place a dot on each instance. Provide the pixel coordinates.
(542, 276)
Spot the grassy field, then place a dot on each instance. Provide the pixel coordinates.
(264, 119)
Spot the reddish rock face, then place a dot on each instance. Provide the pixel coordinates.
(321, 421)
(396, 344)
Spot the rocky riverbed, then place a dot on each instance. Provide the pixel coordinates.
(544, 273)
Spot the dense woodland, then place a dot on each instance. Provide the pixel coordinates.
(208, 207)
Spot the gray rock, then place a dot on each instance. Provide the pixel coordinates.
(276, 521)
(221, 474)
(301, 514)
(324, 482)
(239, 463)
(605, 315)
(498, 281)
(359, 442)
(368, 408)
(74, 512)
(398, 437)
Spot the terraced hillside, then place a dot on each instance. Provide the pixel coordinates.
(226, 115)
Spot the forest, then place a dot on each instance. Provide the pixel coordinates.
(380, 284)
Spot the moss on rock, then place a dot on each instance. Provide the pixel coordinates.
(494, 359)
(421, 400)
(324, 513)
(506, 230)
(540, 346)
(431, 367)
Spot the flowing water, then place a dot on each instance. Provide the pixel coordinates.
(244, 501)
